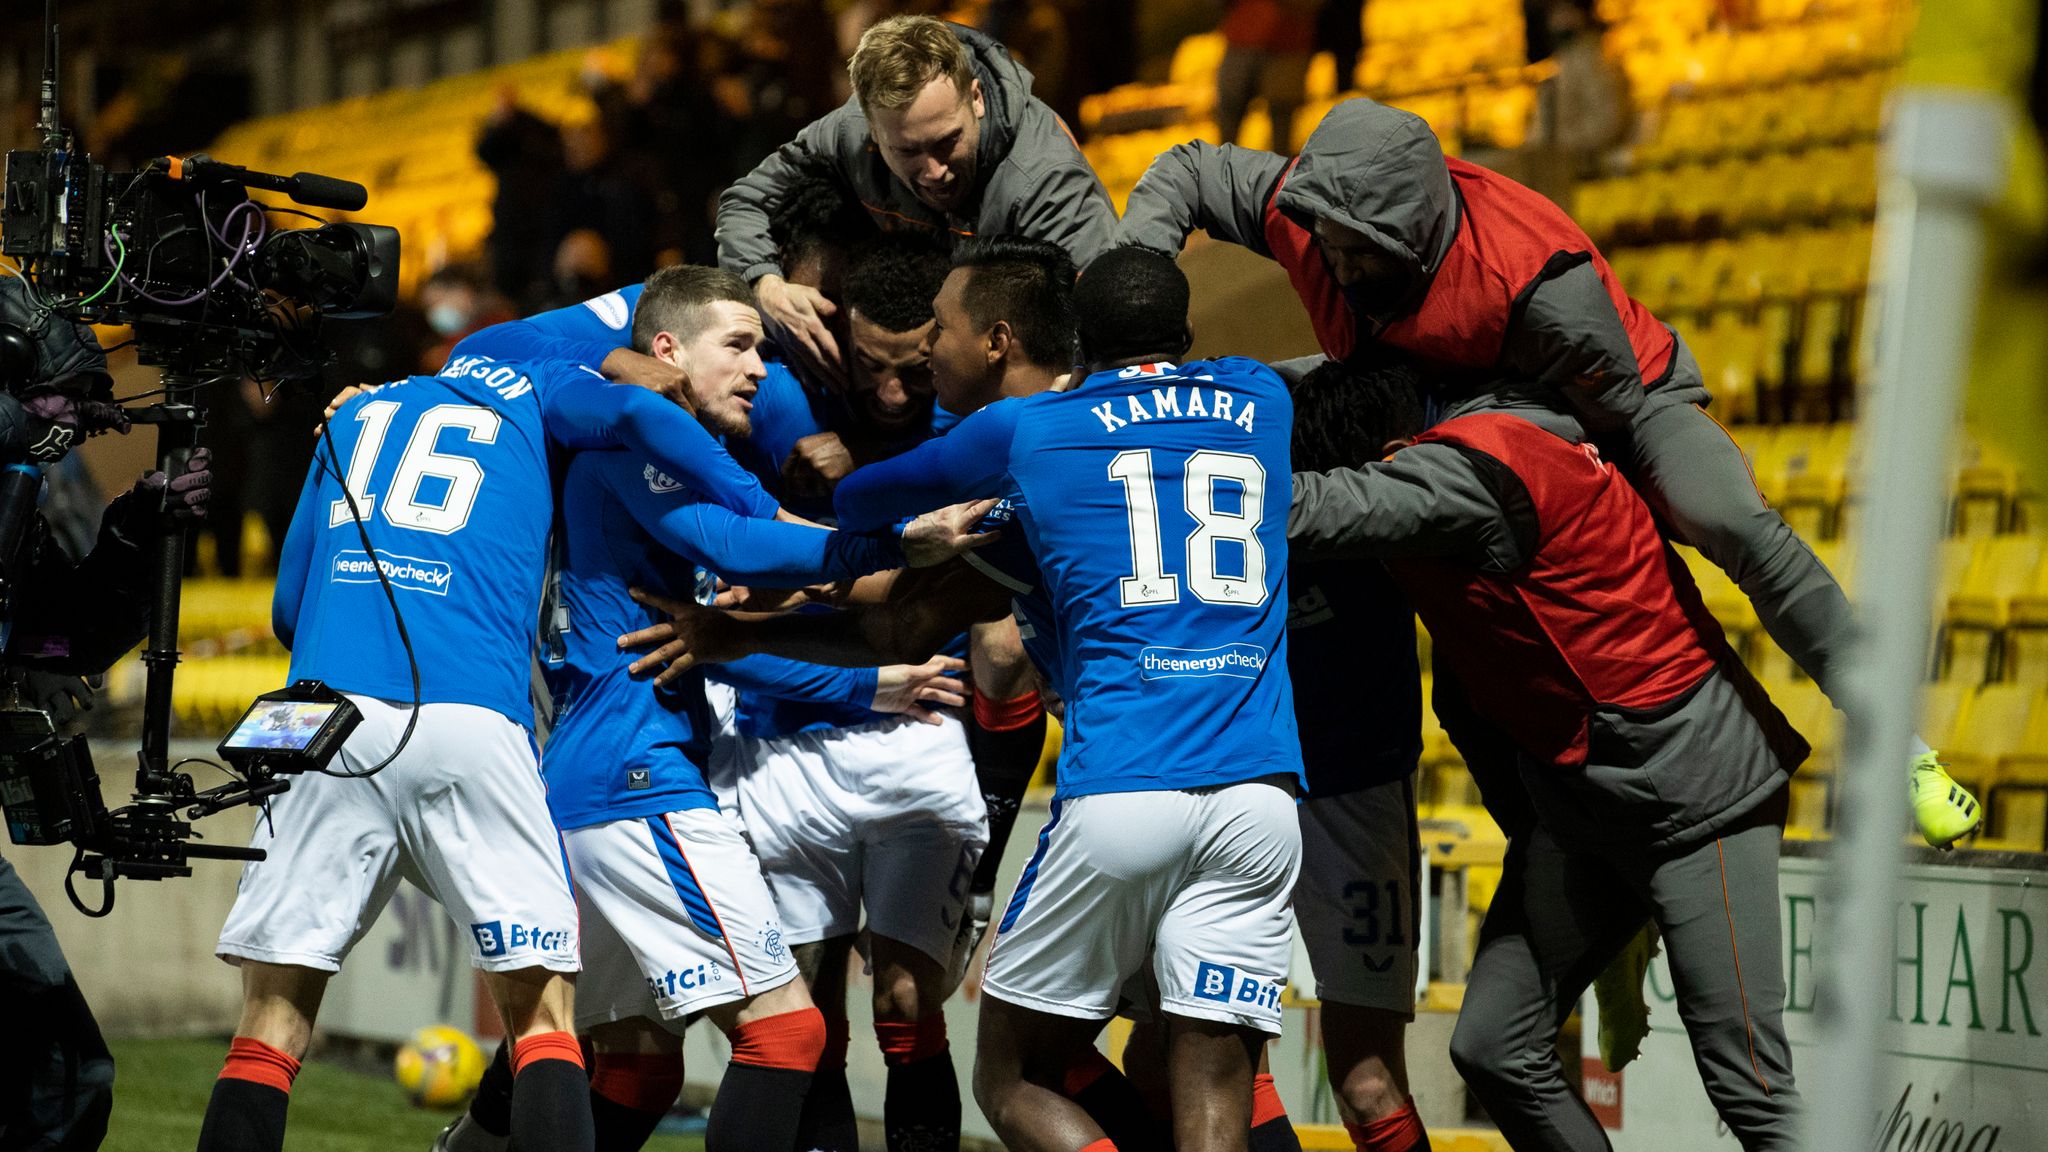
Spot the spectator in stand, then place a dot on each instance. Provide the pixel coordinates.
(1340, 31)
(583, 271)
(597, 192)
(525, 153)
(679, 138)
(458, 300)
(1267, 44)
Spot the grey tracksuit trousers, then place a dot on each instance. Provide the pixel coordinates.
(1560, 915)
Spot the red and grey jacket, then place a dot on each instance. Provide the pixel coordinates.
(1546, 587)
(1504, 284)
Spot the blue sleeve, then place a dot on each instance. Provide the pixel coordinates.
(585, 411)
(795, 680)
(584, 333)
(967, 463)
(295, 558)
(745, 550)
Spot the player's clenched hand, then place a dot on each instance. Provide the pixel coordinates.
(916, 689)
(795, 316)
(817, 464)
(693, 634)
(625, 366)
(940, 535)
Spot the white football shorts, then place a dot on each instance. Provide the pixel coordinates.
(1200, 879)
(676, 918)
(887, 815)
(461, 813)
(1356, 900)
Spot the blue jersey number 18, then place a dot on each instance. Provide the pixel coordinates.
(1149, 581)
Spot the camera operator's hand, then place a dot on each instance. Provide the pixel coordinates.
(188, 494)
(63, 697)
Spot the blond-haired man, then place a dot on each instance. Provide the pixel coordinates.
(941, 136)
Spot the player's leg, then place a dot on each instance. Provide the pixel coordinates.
(1006, 737)
(1358, 908)
(636, 1054)
(828, 1123)
(684, 894)
(331, 862)
(1555, 921)
(1717, 906)
(550, 1088)
(1145, 1064)
(636, 1073)
(477, 836)
(1694, 475)
(777, 1037)
(1020, 1065)
(1076, 927)
(247, 1110)
(915, 888)
(1114, 1101)
(1221, 956)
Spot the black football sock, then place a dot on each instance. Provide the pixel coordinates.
(1006, 739)
(551, 1095)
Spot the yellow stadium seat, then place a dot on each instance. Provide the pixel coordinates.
(1988, 730)
(2001, 569)
(2017, 800)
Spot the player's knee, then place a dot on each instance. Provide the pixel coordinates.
(1480, 1054)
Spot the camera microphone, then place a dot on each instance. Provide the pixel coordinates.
(308, 188)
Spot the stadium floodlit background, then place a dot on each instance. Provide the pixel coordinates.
(1724, 153)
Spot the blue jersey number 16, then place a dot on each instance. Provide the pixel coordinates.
(1149, 581)
(403, 507)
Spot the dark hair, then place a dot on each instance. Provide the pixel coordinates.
(817, 211)
(1131, 302)
(891, 280)
(674, 299)
(1029, 285)
(1344, 415)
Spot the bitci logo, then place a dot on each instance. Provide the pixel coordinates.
(1225, 985)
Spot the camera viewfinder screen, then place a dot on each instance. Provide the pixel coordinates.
(285, 725)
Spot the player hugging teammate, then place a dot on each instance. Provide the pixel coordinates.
(1030, 478)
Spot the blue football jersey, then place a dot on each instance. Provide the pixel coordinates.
(450, 474)
(1009, 562)
(619, 749)
(1155, 501)
(1357, 686)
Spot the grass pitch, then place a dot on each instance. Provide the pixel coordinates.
(161, 1088)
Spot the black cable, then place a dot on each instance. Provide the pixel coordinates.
(77, 858)
(332, 466)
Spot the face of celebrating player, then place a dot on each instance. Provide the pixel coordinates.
(723, 362)
(930, 143)
(1371, 276)
(892, 378)
(959, 350)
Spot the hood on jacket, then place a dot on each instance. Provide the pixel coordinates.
(1379, 171)
(1005, 89)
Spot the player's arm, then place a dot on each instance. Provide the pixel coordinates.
(965, 464)
(745, 246)
(1427, 500)
(910, 689)
(1069, 207)
(754, 551)
(295, 556)
(584, 411)
(926, 608)
(1220, 188)
(1570, 337)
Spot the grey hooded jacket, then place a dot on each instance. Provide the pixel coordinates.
(1660, 779)
(1034, 180)
(1502, 284)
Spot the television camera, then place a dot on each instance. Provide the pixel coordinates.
(214, 289)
